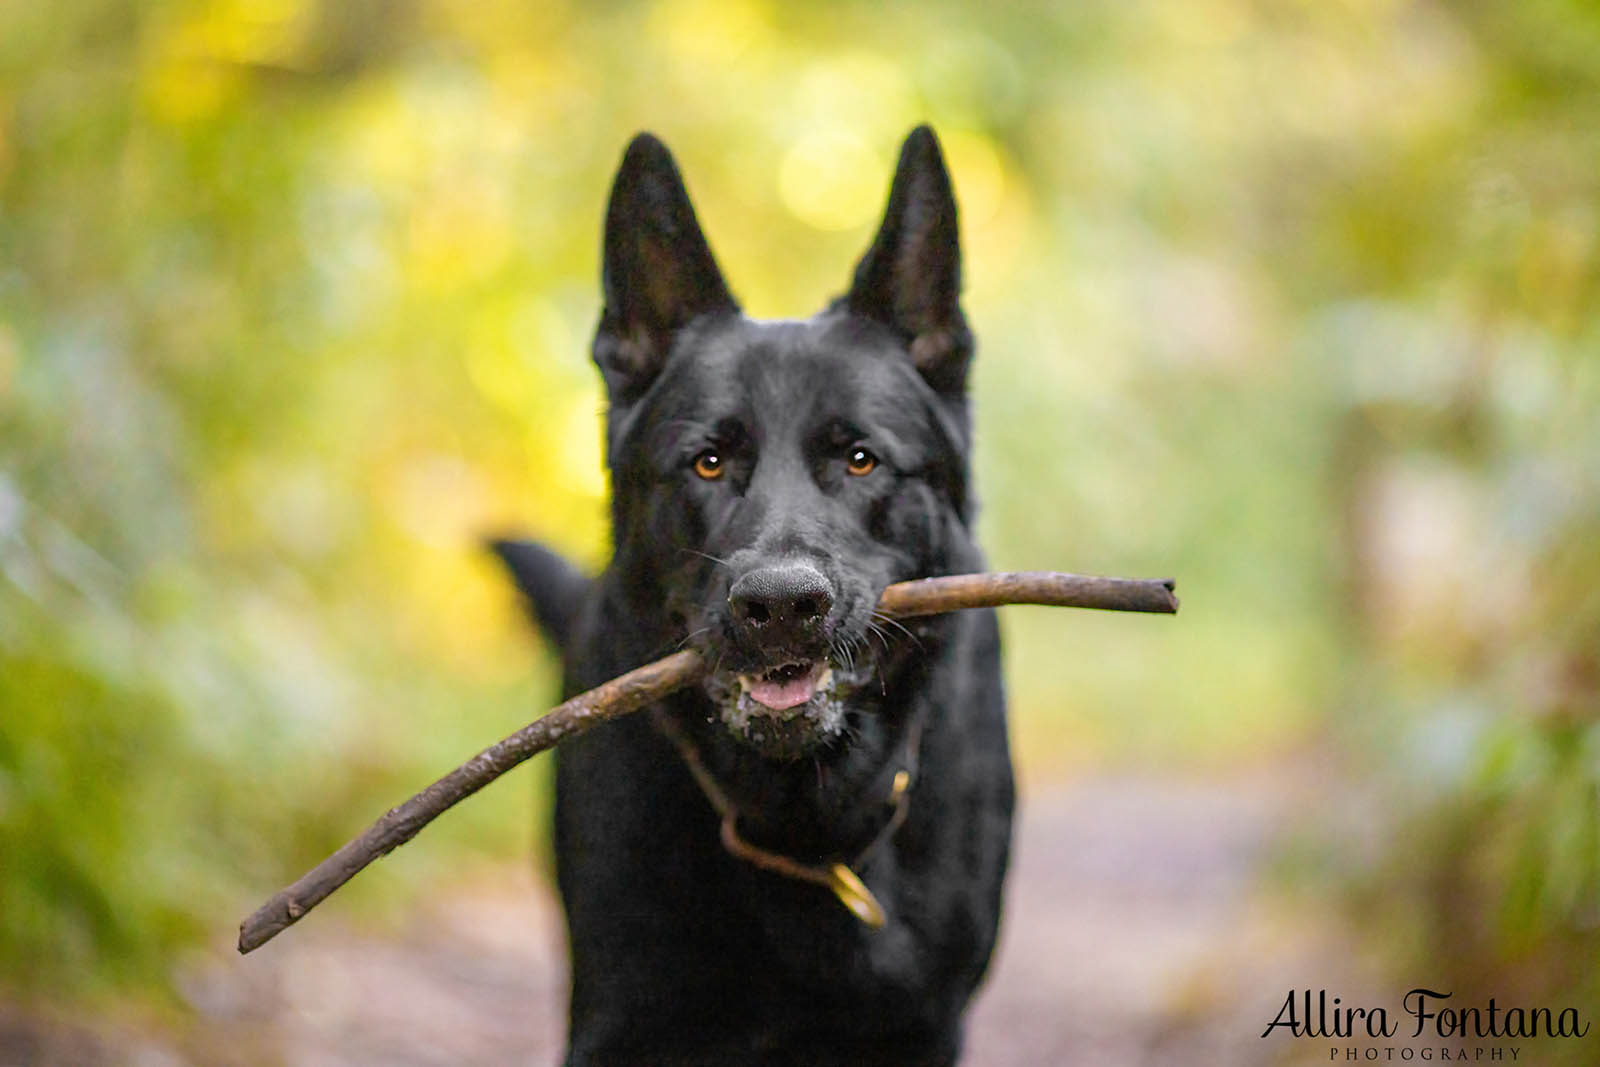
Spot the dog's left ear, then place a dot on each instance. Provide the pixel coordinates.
(910, 279)
(658, 275)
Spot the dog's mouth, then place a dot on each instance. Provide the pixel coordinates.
(786, 710)
(786, 686)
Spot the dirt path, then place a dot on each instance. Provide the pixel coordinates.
(1135, 935)
(1137, 932)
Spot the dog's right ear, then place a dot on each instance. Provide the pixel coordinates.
(658, 275)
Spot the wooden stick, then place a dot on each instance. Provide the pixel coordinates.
(645, 685)
(930, 596)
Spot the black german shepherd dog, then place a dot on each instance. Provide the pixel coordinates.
(798, 861)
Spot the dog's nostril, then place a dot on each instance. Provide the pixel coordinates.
(813, 607)
(756, 612)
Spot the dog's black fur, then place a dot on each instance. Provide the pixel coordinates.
(769, 479)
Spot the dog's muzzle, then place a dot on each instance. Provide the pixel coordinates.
(784, 693)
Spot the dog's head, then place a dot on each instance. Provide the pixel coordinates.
(770, 478)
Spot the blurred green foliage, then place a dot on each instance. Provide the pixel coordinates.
(1292, 300)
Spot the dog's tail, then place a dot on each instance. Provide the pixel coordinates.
(553, 587)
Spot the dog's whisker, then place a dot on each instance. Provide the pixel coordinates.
(898, 625)
(706, 555)
(877, 664)
(690, 636)
(842, 650)
(664, 648)
(885, 638)
(871, 632)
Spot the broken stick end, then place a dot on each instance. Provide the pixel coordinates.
(259, 929)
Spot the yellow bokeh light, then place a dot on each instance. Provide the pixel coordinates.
(498, 376)
(869, 91)
(832, 179)
(978, 174)
(713, 31)
(578, 463)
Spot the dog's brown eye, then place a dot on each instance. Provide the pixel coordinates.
(708, 465)
(861, 462)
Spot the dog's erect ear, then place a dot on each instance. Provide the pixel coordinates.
(658, 275)
(910, 279)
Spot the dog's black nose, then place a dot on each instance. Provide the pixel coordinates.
(781, 603)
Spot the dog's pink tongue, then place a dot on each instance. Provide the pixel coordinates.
(780, 695)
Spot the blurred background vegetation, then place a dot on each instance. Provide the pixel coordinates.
(1291, 299)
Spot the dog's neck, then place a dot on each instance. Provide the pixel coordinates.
(838, 872)
(827, 805)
